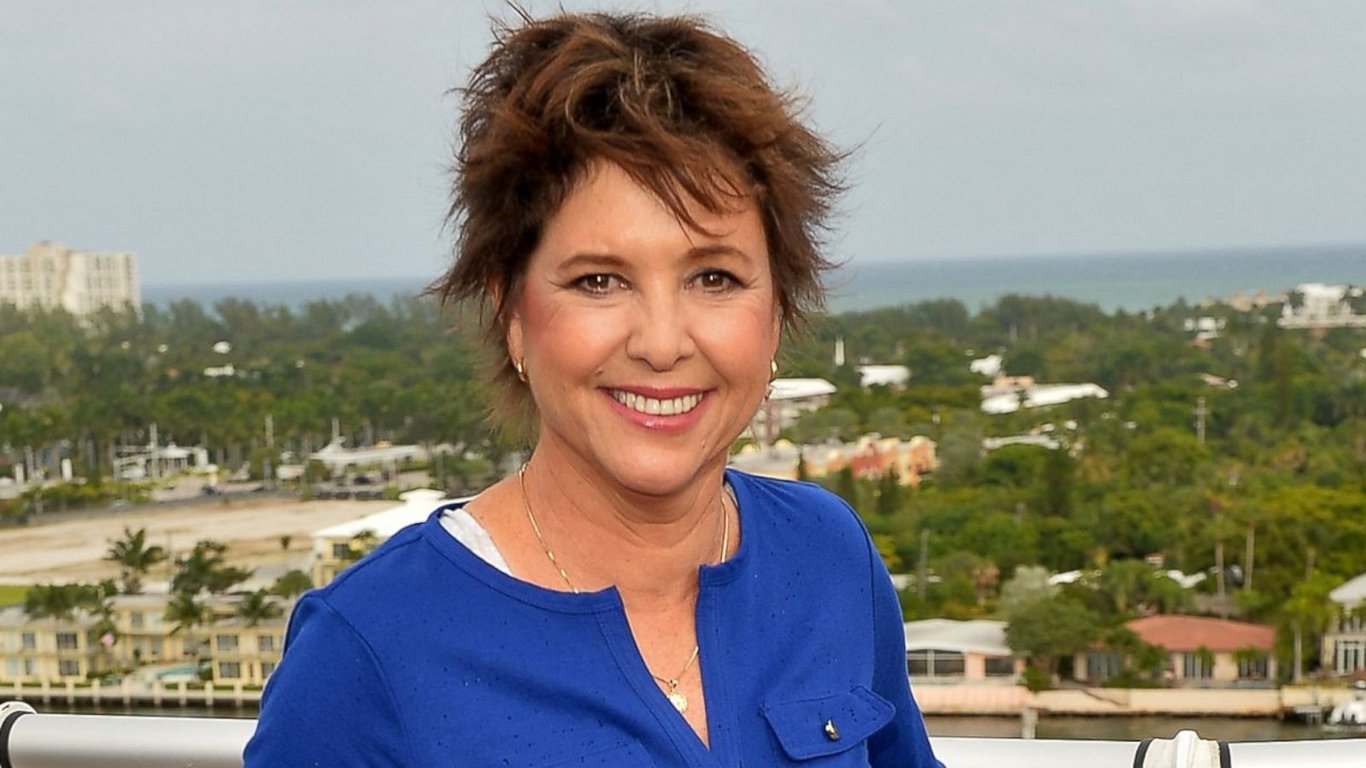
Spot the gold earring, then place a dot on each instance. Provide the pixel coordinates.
(521, 371)
(772, 374)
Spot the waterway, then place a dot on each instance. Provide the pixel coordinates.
(1098, 728)
(1131, 728)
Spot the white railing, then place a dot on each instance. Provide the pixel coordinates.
(31, 740)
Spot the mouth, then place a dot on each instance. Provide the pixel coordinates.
(657, 406)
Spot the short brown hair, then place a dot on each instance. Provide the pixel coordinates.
(683, 109)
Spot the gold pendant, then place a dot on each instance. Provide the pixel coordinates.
(679, 701)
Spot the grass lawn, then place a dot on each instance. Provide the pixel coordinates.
(12, 595)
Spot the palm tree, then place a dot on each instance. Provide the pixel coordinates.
(206, 569)
(58, 601)
(135, 558)
(186, 613)
(257, 607)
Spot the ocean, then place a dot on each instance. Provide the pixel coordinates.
(1130, 281)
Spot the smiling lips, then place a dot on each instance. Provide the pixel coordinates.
(657, 406)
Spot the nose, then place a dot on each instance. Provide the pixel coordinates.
(660, 333)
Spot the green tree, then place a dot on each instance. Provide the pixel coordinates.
(206, 570)
(889, 495)
(1126, 582)
(1047, 629)
(257, 607)
(291, 583)
(846, 487)
(58, 601)
(1308, 612)
(186, 613)
(1028, 585)
(135, 557)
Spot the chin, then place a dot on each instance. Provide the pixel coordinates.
(663, 477)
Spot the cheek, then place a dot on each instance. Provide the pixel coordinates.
(566, 336)
(741, 343)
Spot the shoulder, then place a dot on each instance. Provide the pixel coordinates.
(800, 511)
(399, 570)
(801, 499)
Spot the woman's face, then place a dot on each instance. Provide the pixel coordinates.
(647, 344)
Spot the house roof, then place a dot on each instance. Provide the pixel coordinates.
(797, 389)
(1036, 395)
(1351, 592)
(883, 375)
(1189, 633)
(975, 636)
(14, 616)
(417, 505)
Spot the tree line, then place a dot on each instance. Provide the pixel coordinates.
(1258, 484)
(1241, 457)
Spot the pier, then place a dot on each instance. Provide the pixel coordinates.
(130, 693)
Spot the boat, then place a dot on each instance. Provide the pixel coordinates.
(1350, 715)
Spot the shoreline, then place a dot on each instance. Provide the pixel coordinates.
(966, 700)
(1015, 700)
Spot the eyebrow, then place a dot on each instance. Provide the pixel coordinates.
(715, 249)
(608, 259)
(593, 259)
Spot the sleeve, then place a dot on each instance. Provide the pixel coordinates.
(327, 704)
(903, 743)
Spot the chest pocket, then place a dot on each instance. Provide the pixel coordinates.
(831, 725)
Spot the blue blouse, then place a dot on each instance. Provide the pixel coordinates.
(422, 654)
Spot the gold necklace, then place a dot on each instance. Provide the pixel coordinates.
(678, 700)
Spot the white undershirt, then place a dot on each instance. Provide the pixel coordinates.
(465, 529)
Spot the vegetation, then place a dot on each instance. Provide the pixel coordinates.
(1261, 486)
(13, 594)
(291, 584)
(63, 601)
(1242, 458)
(135, 558)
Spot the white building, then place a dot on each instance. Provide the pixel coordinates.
(1344, 645)
(339, 459)
(787, 400)
(998, 399)
(895, 376)
(1322, 306)
(52, 276)
(944, 650)
(987, 366)
(337, 546)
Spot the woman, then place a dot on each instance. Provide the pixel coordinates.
(639, 207)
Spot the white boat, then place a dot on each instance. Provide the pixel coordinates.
(1350, 714)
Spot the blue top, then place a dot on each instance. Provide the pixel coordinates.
(422, 654)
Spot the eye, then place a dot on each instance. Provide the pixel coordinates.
(716, 281)
(598, 284)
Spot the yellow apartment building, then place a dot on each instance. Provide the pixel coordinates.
(49, 648)
(245, 654)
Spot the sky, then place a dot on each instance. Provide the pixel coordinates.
(308, 140)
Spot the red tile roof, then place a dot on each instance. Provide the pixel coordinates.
(1188, 633)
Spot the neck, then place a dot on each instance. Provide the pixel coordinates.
(603, 534)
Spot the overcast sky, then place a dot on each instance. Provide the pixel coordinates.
(307, 140)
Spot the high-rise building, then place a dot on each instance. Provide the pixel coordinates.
(52, 276)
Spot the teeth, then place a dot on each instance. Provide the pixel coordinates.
(654, 407)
